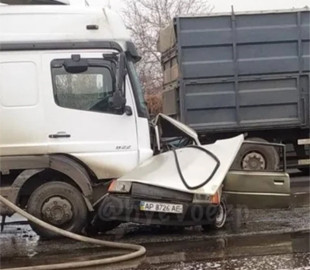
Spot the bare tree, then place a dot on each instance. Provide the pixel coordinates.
(145, 18)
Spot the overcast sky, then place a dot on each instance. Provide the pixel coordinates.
(239, 5)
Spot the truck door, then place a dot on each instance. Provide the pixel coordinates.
(256, 189)
(80, 120)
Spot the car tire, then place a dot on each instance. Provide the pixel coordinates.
(257, 157)
(59, 204)
(220, 218)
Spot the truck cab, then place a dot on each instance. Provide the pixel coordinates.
(72, 111)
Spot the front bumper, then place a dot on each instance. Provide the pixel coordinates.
(125, 208)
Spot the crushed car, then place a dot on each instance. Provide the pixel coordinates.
(189, 184)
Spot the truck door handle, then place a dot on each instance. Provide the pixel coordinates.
(59, 135)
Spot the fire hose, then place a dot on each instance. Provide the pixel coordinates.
(138, 250)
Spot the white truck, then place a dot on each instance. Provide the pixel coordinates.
(73, 117)
(69, 114)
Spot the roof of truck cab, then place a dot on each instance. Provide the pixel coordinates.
(29, 24)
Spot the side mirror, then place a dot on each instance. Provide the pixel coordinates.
(120, 72)
(128, 110)
(118, 101)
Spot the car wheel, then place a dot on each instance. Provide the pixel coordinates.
(220, 218)
(59, 204)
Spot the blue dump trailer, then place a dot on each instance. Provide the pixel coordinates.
(226, 74)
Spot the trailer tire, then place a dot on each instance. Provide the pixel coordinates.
(257, 157)
(59, 204)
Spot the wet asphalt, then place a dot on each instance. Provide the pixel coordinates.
(251, 239)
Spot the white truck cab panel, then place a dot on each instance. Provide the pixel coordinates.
(22, 116)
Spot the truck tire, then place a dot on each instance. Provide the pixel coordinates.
(59, 204)
(257, 157)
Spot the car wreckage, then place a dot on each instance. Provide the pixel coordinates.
(188, 184)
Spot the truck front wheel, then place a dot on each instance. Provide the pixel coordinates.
(59, 204)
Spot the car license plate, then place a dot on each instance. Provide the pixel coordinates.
(161, 207)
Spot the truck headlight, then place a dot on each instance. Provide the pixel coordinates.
(120, 187)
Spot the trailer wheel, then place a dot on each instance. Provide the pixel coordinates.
(59, 204)
(257, 157)
(220, 218)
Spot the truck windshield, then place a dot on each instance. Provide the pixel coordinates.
(137, 90)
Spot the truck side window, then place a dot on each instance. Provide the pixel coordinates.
(88, 91)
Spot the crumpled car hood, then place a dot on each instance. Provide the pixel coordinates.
(198, 169)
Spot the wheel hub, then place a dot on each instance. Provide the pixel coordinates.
(57, 211)
(254, 161)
